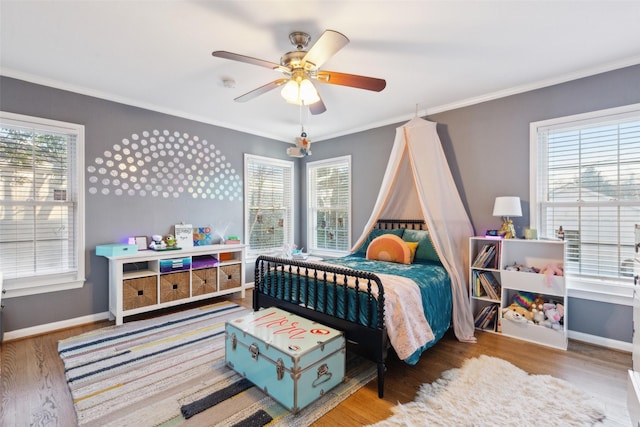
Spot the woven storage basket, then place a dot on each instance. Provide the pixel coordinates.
(139, 292)
(204, 281)
(229, 277)
(174, 286)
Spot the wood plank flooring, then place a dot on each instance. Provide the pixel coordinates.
(34, 391)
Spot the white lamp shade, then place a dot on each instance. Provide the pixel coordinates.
(300, 93)
(308, 93)
(291, 91)
(507, 206)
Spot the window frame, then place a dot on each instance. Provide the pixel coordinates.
(312, 209)
(290, 229)
(610, 290)
(38, 284)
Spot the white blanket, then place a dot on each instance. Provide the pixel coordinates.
(407, 326)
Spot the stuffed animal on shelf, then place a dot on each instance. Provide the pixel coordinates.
(521, 268)
(170, 241)
(538, 301)
(538, 312)
(517, 314)
(523, 299)
(551, 270)
(553, 315)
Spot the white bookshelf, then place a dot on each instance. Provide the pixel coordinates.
(528, 253)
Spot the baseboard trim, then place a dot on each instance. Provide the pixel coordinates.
(50, 327)
(69, 323)
(601, 341)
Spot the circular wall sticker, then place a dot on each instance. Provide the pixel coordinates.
(162, 156)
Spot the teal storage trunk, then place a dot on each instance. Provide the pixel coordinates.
(292, 359)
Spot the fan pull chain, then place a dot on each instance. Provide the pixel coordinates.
(303, 134)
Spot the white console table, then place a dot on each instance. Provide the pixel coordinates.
(150, 280)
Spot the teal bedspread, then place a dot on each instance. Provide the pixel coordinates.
(432, 279)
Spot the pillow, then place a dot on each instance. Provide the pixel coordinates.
(389, 247)
(376, 232)
(412, 247)
(425, 251)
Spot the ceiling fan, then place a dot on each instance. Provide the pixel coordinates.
(301, 66)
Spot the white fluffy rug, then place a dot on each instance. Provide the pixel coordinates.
(488, 391)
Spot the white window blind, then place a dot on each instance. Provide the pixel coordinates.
(41, 239)
(268, 203)
(329, 204)
(588, 182)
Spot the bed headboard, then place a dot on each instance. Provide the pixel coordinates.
(390, 224)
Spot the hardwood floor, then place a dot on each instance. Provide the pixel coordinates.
(34, 391)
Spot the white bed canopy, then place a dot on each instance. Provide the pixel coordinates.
(418, 185)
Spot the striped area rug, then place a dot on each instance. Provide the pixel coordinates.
(150, 372)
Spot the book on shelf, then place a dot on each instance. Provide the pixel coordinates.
(489, 284)
(486, 257)
(487, 317)
(478, 289)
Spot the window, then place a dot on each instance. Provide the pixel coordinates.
(588, 181)
(268, 203)
(329, 205)
(41, 204)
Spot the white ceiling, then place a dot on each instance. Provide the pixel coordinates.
(434, 55)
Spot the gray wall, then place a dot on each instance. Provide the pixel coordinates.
(111, 218)
(487, 147)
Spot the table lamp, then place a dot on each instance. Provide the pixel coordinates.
(506, 207)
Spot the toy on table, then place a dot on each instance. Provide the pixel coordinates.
(170, 241)
(157, 242)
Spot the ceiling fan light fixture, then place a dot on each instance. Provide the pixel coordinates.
(308, 93)
(300, 93)
(301, 65)
(290, 92)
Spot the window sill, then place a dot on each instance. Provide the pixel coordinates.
(328, 254)
(315, 254)
(14, 289)
(612, 292)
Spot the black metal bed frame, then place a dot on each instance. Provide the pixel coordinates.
(295, 286)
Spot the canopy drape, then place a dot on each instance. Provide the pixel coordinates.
(418, 184)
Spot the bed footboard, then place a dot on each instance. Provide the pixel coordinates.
(336, 297)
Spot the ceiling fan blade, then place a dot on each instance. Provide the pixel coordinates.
(261, 90)
(317, 107)
(329, 43)
(246, 59)
(352, 80)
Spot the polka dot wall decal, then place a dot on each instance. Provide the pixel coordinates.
(177, 164)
